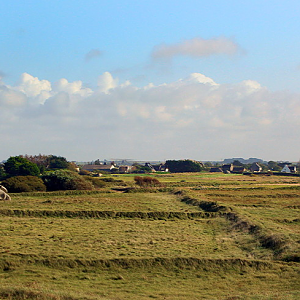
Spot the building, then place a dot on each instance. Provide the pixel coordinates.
(99, 168)
(255, 167)
(227, 168)
(289, 169)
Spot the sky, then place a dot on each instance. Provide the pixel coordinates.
(150, 80)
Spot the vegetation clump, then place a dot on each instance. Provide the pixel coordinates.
(20, 166)
(65, 180)
(146, 181)
(96, 182)
(19, 184)
(186, 165)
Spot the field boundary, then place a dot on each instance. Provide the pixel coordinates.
(83, 214)
(278, 243)
(235, 264)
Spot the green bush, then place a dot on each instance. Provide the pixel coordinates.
(19, 184)
(65, 180)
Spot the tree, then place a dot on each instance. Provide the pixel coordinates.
(237, 163)
(57, 162)
(20, 166)
(187, 165)
(273, 166)
(49, 162)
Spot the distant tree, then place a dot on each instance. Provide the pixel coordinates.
(97, 162)
(141, 169)
(3, 175)
(273, 166)
(57, 162)
(187, 165)
(49, 162)
(20, 166)
(237, 163)
(208, 164)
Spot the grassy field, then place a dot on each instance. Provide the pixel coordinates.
(201, 236)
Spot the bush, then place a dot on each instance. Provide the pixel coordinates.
(19, 184)
(146, 181)
(96, 181)
(84, 172)
(65, 180)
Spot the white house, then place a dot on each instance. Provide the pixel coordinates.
(289, 169)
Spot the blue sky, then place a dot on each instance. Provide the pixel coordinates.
(59, 57)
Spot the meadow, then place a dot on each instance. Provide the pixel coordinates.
(198, 236)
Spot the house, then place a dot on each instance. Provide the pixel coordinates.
(148, 165)
(238, 169)
(126, 169)
(160, 168)
(227, 168)
(255, 167)
(99, 168)
(289, 169)
(215, 169)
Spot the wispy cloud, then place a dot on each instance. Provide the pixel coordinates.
(92, 54)
(196, 47)
(2, 75)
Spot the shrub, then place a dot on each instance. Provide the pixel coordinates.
(146, 181)
(19, 184)
(84, 172)
(65, 180)
(96, 181)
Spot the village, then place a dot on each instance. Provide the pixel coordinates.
(236, 167)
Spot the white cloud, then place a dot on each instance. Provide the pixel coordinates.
(106, 82)
(32, 86)
(196, 47)
(193, 117)
(71, 87)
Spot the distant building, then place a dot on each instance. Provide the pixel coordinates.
(215, 169)
(100, 168)
(227, 168)
(126, 169)
(255, 167)
(289, 169)
(238, 169)
(157, 168)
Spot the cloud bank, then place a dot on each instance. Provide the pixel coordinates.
(196, 47)
(194, 117)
